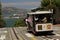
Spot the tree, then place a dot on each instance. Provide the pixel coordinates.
(0, 9)
(49, 4)
(19, 22)
(2, 22)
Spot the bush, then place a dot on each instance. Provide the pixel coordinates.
(58, 21)
(2, 23)
(19, 22)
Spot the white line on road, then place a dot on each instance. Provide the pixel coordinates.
(57, 39)
(29, 35)
(3, 31)
(56, 34)
(2, 37)
(51, 39)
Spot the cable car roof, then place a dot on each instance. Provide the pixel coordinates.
(41, 12)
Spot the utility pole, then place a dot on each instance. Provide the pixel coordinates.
(53, 10)
(50, 2)
(51, 6)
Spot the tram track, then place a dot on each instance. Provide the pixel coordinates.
(20, 35)
(12, 34)
(35, 37)
(45, 37)
(16, 34)
(9, 33)
(48, 37)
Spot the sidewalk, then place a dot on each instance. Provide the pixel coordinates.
(58, 25)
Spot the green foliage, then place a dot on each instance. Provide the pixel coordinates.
(19, 22)
(50, 3)
(57, 21)
(2, 22)
(37, 9)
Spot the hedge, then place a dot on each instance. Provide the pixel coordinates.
(19, 23)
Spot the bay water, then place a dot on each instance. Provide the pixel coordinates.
(10, 22)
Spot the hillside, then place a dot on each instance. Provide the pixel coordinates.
(10, 11)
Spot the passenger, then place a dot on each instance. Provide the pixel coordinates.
(26, 21)
(29, 19)
(36, 19)
(29, 22)
(44, 19)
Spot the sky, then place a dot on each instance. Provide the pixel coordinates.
(26, 4)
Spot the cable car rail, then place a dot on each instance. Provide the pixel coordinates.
(22, 34)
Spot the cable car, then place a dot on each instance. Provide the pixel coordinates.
(40, 21)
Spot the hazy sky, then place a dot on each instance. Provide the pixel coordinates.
(26, 4)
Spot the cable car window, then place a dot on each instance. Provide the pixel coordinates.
(43, 18)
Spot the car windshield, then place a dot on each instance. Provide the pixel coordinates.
(43, 18)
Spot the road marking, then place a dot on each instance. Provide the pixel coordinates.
(2, 37)
(3, 31)
(57, 39)
(33, 38)
(57, 35)
(50, 39)
(29, 35)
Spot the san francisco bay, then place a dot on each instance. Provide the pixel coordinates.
(10, 22)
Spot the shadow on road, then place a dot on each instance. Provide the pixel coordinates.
(42, 34)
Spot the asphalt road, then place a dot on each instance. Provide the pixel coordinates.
(20, 33)
(4, 34)
(54, 36)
